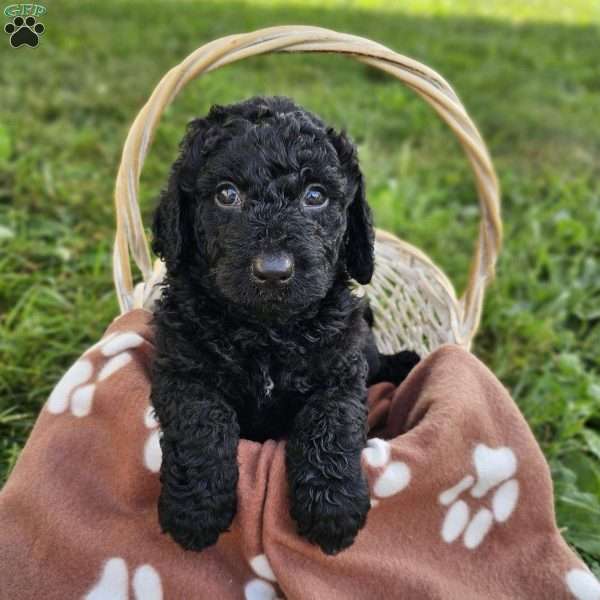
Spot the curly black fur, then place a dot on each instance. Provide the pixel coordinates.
(239, 359)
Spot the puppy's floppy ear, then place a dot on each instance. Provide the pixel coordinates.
(359, 237)
(171, 228)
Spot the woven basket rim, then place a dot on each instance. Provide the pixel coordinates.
(434, 89)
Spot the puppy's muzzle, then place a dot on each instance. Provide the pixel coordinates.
(273, 269)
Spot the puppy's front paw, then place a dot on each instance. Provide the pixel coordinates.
(196, 523)
(331, 516)
(197, 501)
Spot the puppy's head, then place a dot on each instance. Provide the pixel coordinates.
(267, 204)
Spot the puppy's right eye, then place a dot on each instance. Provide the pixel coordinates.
(228, 196)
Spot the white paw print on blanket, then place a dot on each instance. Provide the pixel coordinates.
(76, 388)
(113, 583)
(396, 474)
(583, 585)
(494, 468)
(152, 450)
(260, 587)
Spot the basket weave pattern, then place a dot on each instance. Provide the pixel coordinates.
(414, 303)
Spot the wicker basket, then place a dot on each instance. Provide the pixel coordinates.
(415, 304)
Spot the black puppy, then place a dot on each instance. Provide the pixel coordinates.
(262, 226)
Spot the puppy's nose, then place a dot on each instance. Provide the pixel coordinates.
(273, 268)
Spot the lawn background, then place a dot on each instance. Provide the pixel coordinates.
(529, 76)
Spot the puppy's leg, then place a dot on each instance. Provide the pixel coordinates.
(385, 367)
(329, 494)
(372, 356)
(199, 471)
(394, 367)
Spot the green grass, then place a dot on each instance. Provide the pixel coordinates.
(529, 76)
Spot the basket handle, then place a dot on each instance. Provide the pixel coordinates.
(130, 236)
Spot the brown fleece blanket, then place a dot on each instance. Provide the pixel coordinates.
(461, 498)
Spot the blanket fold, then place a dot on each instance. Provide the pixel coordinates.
(462, 505)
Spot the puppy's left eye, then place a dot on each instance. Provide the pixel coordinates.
(314, 197)
(228, 195)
